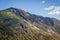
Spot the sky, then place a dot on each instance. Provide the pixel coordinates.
(46, 8)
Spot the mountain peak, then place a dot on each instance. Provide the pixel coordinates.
(12, 8)
(16, 24)
(32, 17)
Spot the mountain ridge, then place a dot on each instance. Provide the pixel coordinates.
(22, 25)
(21, 13)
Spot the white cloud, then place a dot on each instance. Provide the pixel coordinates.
(49, 8)
(53, 10)
(43, 2)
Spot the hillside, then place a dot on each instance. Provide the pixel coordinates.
(16, 24)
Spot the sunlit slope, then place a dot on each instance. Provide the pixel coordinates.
(15, 27)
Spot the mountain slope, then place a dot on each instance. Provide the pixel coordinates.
(16, 24)
(38, 21)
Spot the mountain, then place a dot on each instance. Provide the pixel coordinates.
(16, 24)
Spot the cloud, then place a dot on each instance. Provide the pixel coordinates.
(49, 8)
(43, 2)
(53, 10)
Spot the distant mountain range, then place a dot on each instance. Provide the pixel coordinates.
(16, 24)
